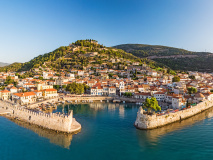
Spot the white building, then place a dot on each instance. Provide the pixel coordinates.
(160, 96)
(71, 76)
(112, 91)
(177, 102)
(24, 98)
(98, 90)
(80, 72)
(142, 95)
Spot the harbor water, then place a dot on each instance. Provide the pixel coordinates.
(108, 133)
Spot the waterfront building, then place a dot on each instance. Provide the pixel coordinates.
(97, 90)
(24, 97)
(177, 102)
(199, 97)
(142, 95)
(112, 91)
(49, 93)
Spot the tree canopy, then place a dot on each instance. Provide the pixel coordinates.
(192, 90)
(176, 79)
(151, 104)
(128, 94)
(76, 88)
(9, 80)
(192, 77)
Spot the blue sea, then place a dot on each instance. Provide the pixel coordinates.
(108, 134)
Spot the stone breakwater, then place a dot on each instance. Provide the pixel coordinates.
(53, 121)
(144, 121)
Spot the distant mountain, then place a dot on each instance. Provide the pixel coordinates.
(175, 58)
(3, 64)
(144, 50)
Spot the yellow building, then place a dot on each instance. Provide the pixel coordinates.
(49, 93)
(41, 86)
(5, 95)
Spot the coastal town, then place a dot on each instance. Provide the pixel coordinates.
(169, 93)
(101, 74)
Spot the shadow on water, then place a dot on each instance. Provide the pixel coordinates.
(58, 138)
(152, 136)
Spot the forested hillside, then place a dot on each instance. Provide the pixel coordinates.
(79, 54)
(174, 58)
(201, 63)
(143, 50)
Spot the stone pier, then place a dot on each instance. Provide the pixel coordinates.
(53, 121)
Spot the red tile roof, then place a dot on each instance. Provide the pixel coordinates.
(25, 94)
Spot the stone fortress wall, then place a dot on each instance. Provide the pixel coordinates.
(144, 121)
(53, 121)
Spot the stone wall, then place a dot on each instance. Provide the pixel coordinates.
(53, 121)
(144, 121)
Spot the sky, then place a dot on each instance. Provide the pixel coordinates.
(29, 28)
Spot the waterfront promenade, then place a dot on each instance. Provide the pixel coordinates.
(87, 98)
(73, 99)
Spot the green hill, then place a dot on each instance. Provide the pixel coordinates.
(82, 53)
(175, 58)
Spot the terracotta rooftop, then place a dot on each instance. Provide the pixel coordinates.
(5, 91)
(25, 94)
